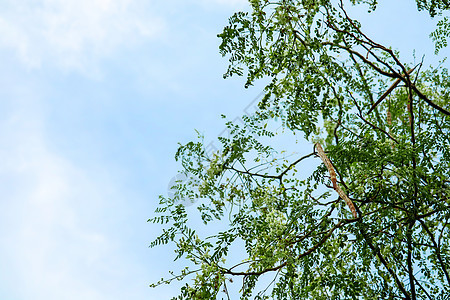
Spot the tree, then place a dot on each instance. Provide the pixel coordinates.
(372, 221)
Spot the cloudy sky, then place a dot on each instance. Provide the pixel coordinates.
(94, 97)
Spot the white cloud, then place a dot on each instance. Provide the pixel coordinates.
(73, 34)
(52, 220)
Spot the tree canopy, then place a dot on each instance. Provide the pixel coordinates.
(372, 220)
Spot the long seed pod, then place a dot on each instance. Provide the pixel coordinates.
(347, 200)
(389, 122)
(336, 187)
(327, 163)
(389, 118)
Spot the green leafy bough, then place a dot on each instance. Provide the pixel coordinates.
(384, 125)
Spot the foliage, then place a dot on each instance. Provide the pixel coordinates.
(441, 34)
(385, 127)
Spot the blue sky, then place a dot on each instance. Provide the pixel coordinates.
(94, 97)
